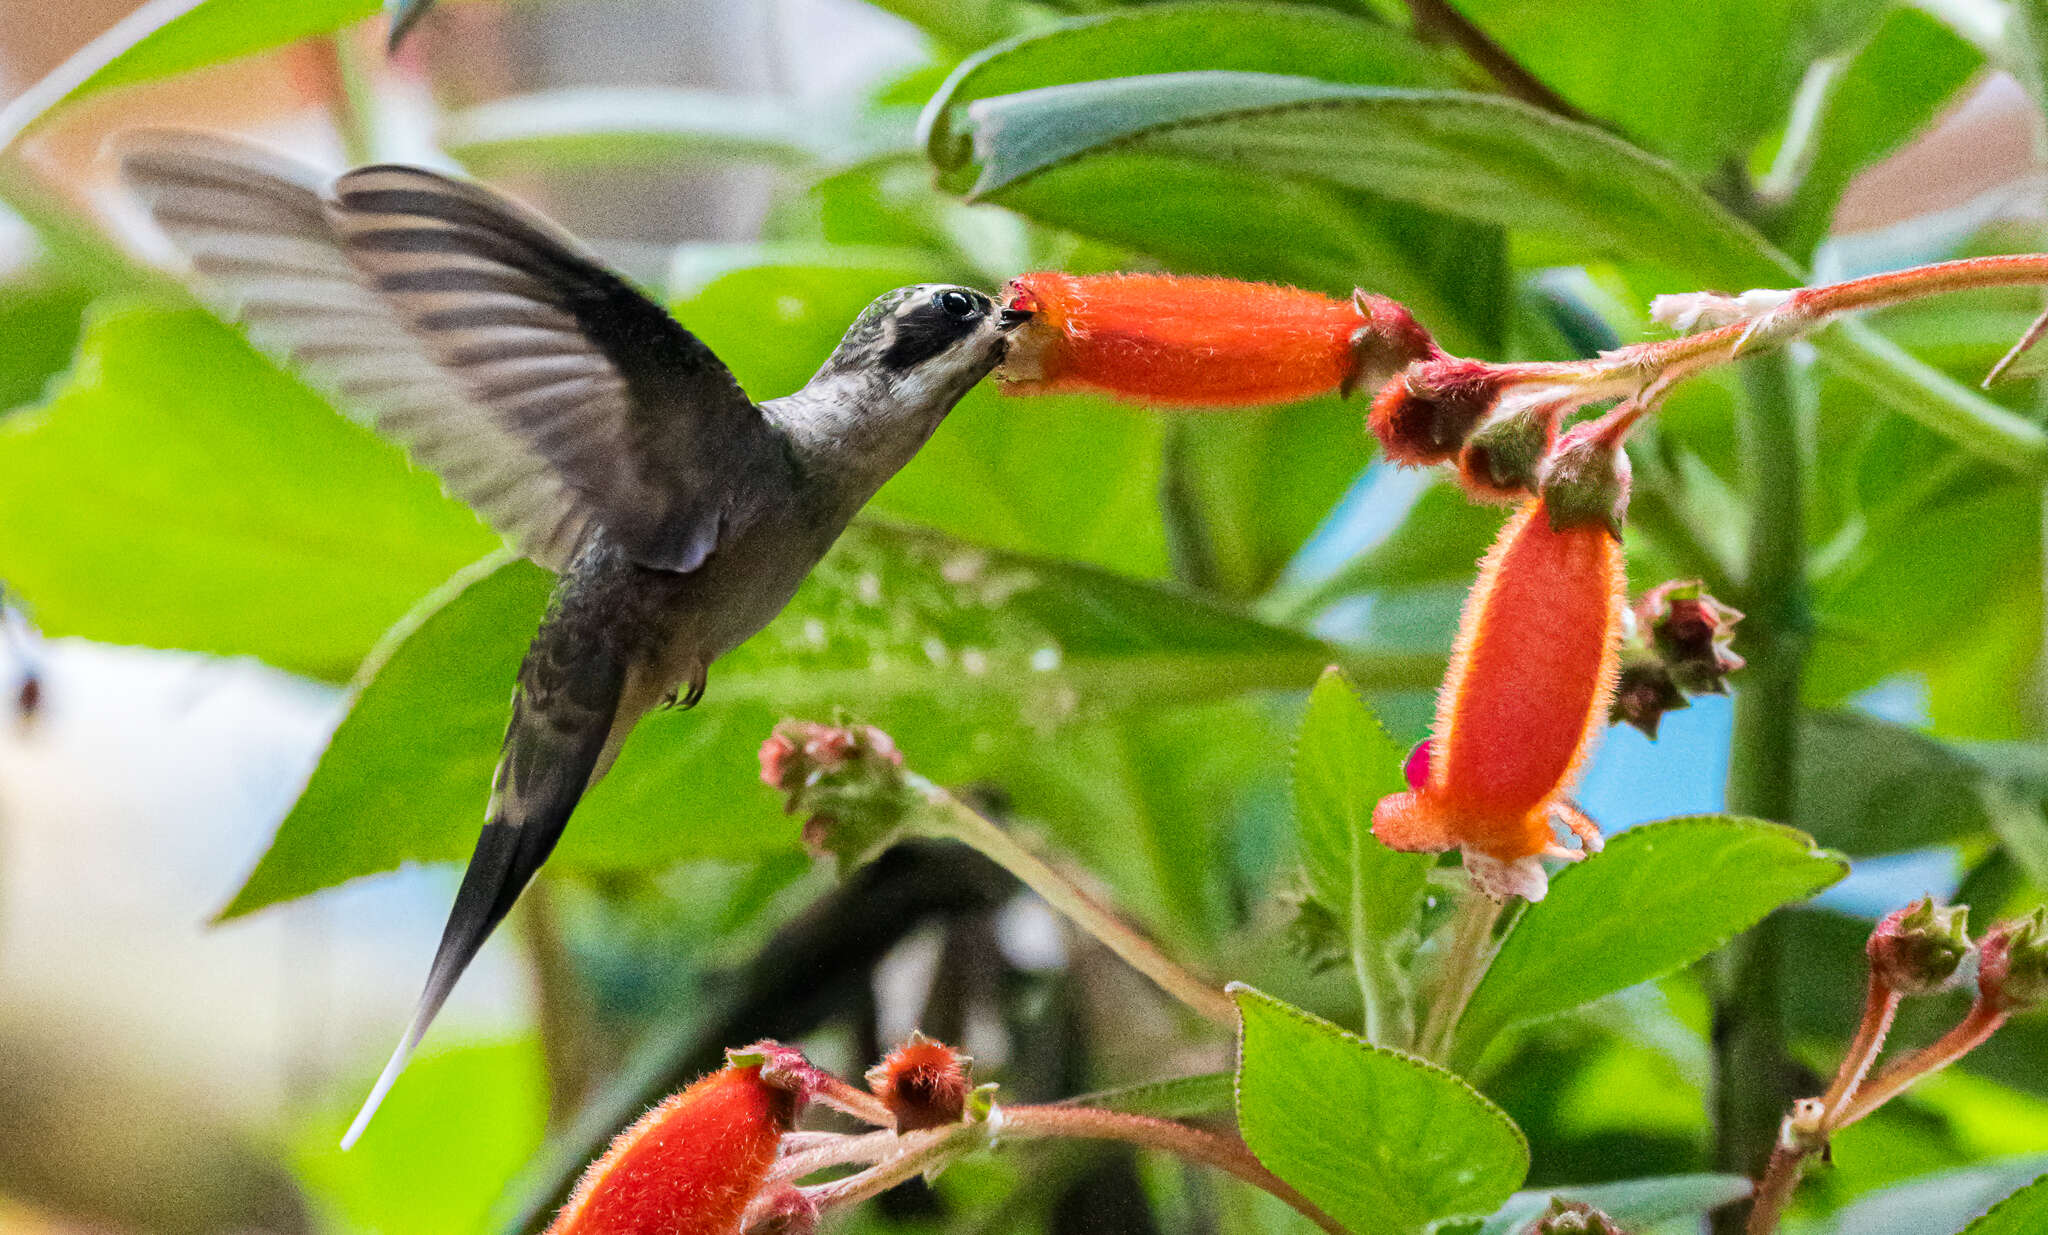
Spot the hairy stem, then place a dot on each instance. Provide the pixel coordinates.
(946, 815)
(1969, 1034)
(1880, 1005)
(1752, 1067)
(1193, 1144)
(1467, 953)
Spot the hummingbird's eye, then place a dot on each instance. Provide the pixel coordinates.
(957, 304)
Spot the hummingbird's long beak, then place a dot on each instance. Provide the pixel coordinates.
(1013, 318)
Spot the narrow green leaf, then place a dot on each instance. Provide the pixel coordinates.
(963, 654)
(1943, 1201)
(1887, 91)
(166, 37)
(1476, 156)
(1177, 38)
(177, 491)
(2023, 1213)
(1345, 763)
(1384, 1142)
(1660, 897)
(613, 126)
(1633, 1203)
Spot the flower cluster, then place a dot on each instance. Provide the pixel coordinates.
(1677, 642)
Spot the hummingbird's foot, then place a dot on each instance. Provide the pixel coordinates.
(690, 693)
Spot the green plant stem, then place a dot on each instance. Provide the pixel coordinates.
(355, 101)
(1383, 987)
(1752, 1067)
(947, 816)
(1467, 953)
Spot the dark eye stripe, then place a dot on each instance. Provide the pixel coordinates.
(922, 334)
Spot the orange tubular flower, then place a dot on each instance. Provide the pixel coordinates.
(689, 1166)
(1527, 693)
(1198, 342)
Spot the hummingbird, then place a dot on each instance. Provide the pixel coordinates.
(579, 419)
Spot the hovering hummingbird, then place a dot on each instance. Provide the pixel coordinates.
(578, 418)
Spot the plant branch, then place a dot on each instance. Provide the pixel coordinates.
(1970, 1033)
(947, 816)
(1193, 1144)
(1750, 1054)
(1514, 78)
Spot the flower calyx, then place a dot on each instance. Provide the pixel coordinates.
(1677, 643)
(1574, 1218)
(924, 1083)
(1585, 481)
(2012, 964)
(846, 779)
(1918, 950)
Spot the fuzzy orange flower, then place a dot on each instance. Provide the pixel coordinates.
(1201, 342)
(1526, 695)
(689, 1166)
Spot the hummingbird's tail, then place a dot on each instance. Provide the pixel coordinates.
(562, 716)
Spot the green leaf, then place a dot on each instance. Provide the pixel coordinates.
(965, 655)
(1384, 1142)
(1889, 90)
(1175, 38)
(1941, 1201)
(2023, 1213)
(1660, 897)
(168, 37)
(1183, 1097)
(1633, 1203)
(1699, 81)
(610, 127)
(177, 491)
(1475, 156)
(443, 1145)
(41, 315)
(1866, 786)
(1344, 764)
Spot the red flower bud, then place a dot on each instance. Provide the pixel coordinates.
(1426, 414)
(1200, 342)
(689, 1166)
(1526, 694)
(1917, 950)
(2012, 964)
(1503, 459)
(1677, 645)
(924, 1084)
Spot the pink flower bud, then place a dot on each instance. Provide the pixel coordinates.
(1917, 950)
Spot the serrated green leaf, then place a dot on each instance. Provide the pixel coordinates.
(962, 654)
(1660, 897)
(1344, 763)
(2023, 1213)
(167, 37)
(1384, 1142)
(177, 491)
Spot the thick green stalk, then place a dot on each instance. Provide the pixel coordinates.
(1752, 1066)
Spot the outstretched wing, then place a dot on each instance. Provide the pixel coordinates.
(545, 391)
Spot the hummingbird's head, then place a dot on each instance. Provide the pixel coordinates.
(902, 365)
